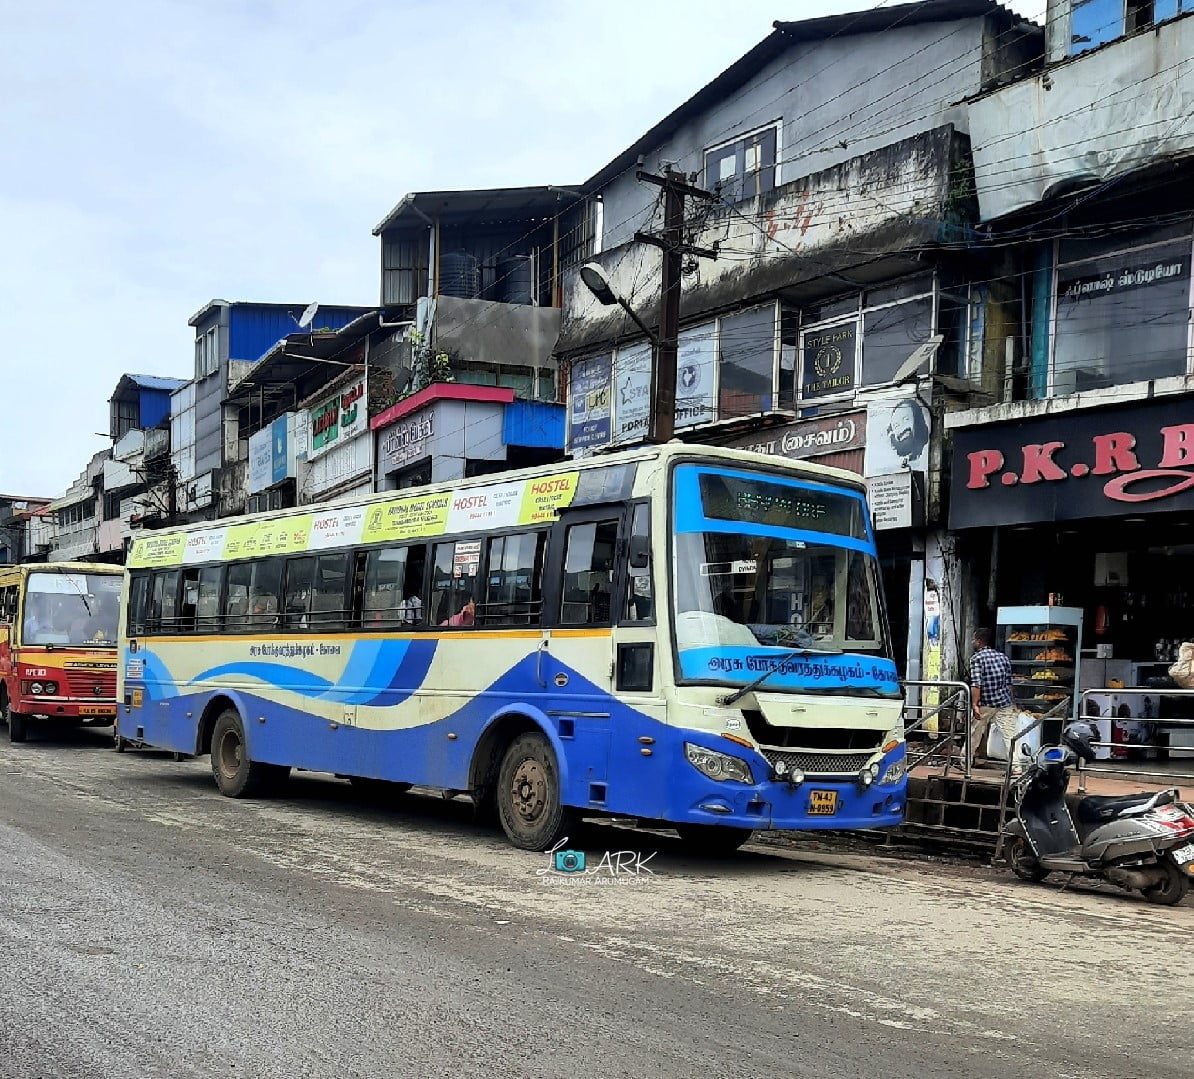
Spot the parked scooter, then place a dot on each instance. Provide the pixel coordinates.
(1140, 842)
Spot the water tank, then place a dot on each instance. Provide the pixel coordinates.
(515, 282)
(459, 275)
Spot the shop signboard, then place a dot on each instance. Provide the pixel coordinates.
(829, 362)
(898, 441)
(260, 460)
(632, 393)
(405, 441)
(696, 376)
(1073, 465)
(338, 418)
(589, 401)
(271, 454)
(809, 438)
(281, 448)
(894, 501)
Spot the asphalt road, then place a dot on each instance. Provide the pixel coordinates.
(149, 927)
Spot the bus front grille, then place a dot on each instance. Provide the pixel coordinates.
(818, 764)
(91, 683)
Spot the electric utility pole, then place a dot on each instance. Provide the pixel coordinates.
(663, 371)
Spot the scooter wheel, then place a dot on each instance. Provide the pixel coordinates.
(1173, 886)
(1024, 863)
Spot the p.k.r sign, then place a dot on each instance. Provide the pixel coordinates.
(1071, 465)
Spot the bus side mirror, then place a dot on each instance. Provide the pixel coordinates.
(640, 552)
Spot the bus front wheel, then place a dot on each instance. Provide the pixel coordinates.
(18, 722)
(528, 795)
(235, 774)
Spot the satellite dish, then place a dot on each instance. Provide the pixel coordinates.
(305, 320)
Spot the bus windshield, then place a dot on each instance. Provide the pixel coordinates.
(77, 609)
(765, 567)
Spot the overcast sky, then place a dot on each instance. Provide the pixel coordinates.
(156, 154)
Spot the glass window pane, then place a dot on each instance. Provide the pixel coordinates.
(208, 609)
(394, 587)
(264, 594)
(1093, 22)
(299, 572)
(639, 593)
(890, 336)
(1122, 318)
(588, 573)
(512, 589)
(453, 583)
(747, 362)
(328, 590)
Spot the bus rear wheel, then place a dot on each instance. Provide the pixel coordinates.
(528, 795)
(713, 839)
(235, 774)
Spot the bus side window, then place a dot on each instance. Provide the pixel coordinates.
(163, 604)
(264, 593)
(138, 601)
(189, 608)
(453, 601)
(588, 573)
(8, 604)
(207, 619)
(236, 601)
(328, 589)
(296, 598)
(513, 587)
(394, 587)
(639, 599)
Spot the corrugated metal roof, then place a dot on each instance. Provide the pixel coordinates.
(157, 382)
(489, 203)
(785, 35)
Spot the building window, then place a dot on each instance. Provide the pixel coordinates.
(746, 343)
(1121, 310)
(127, 417)
(744, 167)
(111, 505)
(1095, 22)
(864, 340)
(207, 353)
(76, 514)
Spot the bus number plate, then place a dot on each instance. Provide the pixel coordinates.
(822, 803)
(90, 710)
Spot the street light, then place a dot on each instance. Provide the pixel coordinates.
(597, 282)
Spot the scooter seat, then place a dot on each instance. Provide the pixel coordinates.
(1099, 810)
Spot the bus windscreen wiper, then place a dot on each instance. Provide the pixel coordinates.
(777, 668)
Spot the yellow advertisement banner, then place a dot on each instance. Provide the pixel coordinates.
(285, 536)
(157, 551)
(407, 518)
(543, 499)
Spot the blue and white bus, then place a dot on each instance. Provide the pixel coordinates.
(690, 636)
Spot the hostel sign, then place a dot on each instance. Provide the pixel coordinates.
(1068, 466)
(338, 418)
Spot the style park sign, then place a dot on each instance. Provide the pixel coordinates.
(1068, 466)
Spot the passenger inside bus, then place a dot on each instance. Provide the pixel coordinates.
(465, 617)
(265, 610)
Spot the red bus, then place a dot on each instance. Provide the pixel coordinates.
(58, 628)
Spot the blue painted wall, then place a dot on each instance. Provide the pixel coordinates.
(253, 331)
(533, 424)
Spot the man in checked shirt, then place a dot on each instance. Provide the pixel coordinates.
(991, 693)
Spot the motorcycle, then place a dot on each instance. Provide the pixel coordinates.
(1139, 842)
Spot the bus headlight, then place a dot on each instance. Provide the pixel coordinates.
(36, 689)
(895, 771)
(719, 766)
(51, 688)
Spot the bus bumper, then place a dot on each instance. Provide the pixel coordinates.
(102, 713)
(837, 802)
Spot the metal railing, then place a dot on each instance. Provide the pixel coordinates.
(1060, 710)
(955, 706)
(1085, 769)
